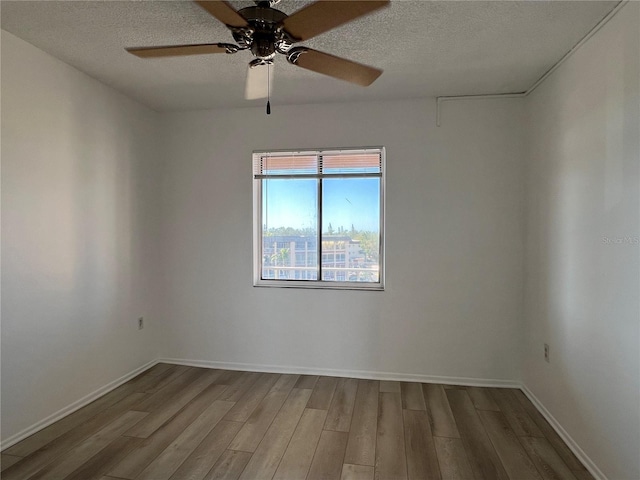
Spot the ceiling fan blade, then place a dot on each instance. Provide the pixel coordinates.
(324, 15)
(177, 50)
(259, 81)
(224, 12)
(333, 66)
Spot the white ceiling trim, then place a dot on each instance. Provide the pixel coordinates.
(546, 75)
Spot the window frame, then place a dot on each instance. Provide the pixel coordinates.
(258, 224)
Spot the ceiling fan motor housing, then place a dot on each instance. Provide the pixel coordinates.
(263, 46)
(264, 38)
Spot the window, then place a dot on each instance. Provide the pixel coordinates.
(319, 218)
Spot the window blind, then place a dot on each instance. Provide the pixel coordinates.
(317, 164)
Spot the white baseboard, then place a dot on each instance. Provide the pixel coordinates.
(69, 409)
(366, 374)
(571, 443)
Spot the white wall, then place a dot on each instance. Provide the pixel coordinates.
(100, 226)
(582, 293)
(454, 245)
(78, 232)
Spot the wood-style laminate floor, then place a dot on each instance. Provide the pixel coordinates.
(174, 422)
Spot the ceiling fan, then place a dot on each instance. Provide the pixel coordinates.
(266, 31)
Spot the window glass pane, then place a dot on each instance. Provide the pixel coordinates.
(290, 229)
(351, 229)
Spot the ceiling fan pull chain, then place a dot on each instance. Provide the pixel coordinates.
(268, 89)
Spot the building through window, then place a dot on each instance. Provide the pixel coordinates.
(319, 218)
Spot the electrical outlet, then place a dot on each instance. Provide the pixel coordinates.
(140, 323)
(546, 352)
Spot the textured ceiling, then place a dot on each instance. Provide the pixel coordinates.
(426, 48)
